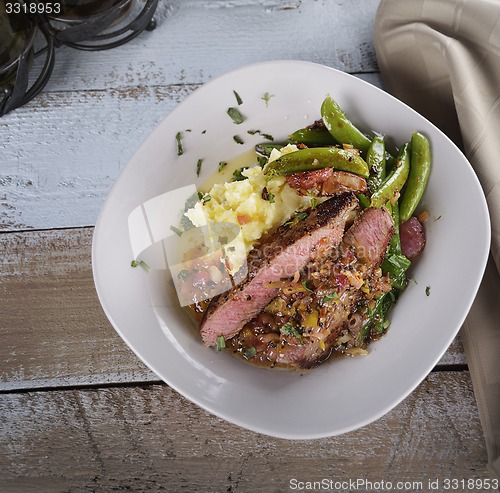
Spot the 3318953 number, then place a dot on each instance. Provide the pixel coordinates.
(32, 7)
(470, 484)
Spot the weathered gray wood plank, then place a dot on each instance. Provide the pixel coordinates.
(52, 327)
(151, 439)
(53, 330)
(199, 39)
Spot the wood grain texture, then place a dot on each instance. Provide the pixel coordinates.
(78, 411)
(53, 330)
(196, 40)
(63, 152)
(151, 439)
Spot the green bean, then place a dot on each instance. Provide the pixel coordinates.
(340, 127)
(375, 158)
(420, 168)
(318, 158)
(313, 136)
(390, 188)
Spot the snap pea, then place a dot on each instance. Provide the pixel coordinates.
(313, 136)
(363, 200)
(375, 158)
(420, 168)
(318, 158)
(392, 185)
(340, 127)
(395, 245)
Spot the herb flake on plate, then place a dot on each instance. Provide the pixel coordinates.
(236, 115)
(221, 343)
(180, 149)
(238, 98)
(198, 167)
(266, 97)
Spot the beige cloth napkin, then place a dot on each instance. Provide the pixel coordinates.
(442, 57)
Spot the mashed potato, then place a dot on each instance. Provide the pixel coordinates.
(258, 204)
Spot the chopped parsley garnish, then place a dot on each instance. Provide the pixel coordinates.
(177, 231)
(262, 161)
(329, 297)
(186, 223)
(266, 97)
(178, 138)
(206, 198)
(428, 291)
(198, 167)
(238, 139)
(141, 263)
(222, 165)
(314, 203)
(238, 98)
(258, 132)
(238, 175)
(221, 343)
(298, 216)
(288, 329)
(304, 283)
(266, 195)
(236, 115)
(250, 352)
(189, 204)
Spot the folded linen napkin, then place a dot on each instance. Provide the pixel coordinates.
(442, 58)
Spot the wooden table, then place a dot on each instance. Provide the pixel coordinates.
(78, 411)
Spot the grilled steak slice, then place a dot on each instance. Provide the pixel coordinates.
(278, 256)
(326, 182)
(370, 235)
(324, 308)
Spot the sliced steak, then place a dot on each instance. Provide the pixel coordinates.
(308, 318)
(326, 182)
(369, 235)
(277, 257)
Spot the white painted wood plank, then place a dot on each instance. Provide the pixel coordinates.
(198, 39)
(62, 153)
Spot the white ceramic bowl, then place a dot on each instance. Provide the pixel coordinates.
(342, 394)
